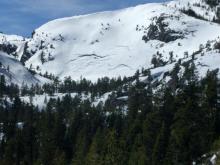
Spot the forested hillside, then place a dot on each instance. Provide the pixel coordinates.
(134, 125)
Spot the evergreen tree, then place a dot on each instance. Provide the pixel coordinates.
(159, 150)
(2, 85)
(138, 155)
(95, 154)
(113, 150)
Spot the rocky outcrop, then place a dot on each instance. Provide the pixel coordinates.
(159, 30)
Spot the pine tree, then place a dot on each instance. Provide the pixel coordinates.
(2, 85)
(151, 127)
(95, 154)
(159, 150)
(138, 154)
(30, 135)
(46, 137)
(190, 131)
(113, 151)
(80, 153)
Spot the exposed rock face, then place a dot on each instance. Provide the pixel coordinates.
(26, 54)
(159, 30)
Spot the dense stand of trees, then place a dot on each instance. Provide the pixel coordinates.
(11, 90)
(98, 88)
(173, 126)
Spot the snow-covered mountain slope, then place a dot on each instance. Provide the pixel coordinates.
(13, 45)
(203, 9)
(203, 62)
(16, 73)
(116, 43)
(206, 59)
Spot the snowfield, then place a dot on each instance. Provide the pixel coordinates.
(115, 43)
(110, 43)
(16, 73)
